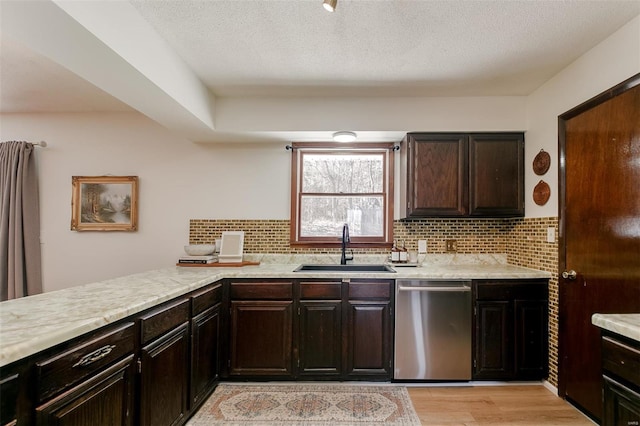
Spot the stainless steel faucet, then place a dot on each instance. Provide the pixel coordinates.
(345, 240)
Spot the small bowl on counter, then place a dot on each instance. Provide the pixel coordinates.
(199, 249)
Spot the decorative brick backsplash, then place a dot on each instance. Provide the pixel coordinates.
(523, 240)
(272, 236)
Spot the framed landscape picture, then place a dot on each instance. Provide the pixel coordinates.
(104, 203)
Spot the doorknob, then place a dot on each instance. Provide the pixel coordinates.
(569, 275)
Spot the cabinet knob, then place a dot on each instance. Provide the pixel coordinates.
(569, 275)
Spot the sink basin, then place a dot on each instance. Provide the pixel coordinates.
(365, 267)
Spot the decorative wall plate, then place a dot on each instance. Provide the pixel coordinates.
(541, 193)
(541, 162)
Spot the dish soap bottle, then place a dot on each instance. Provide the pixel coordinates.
(395, 253)
(403, 253)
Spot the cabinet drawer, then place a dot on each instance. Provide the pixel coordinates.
(57, 373)
(505, 290)
(261, 290)
(369, 290)
(161, 320)
(321, 290)
(206, 298)
(621, 360)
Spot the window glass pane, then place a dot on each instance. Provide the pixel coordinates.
(346, 173)
(323, 216)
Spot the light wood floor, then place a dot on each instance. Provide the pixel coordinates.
(493, 405)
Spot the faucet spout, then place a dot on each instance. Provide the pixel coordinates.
(343, 246)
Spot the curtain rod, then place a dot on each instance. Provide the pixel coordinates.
(392, 148)
(42, 144)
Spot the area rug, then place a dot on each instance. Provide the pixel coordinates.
(306, 404)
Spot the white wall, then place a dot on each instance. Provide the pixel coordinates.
(612, 61)
(179, 180)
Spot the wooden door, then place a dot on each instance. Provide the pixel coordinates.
(599, 232)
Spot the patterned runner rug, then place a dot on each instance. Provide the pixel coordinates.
(306, 404)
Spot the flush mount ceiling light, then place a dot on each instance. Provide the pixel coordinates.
(344, 136)
(330, 5)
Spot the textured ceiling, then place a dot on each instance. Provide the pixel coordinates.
(232, 49)
(378, 47)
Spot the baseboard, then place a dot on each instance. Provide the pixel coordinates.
(549, 386)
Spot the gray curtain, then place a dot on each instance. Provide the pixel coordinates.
(20, 261)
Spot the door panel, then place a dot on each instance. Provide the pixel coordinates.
(600, 232)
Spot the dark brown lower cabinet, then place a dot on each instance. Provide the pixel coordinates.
(368, 340)
(104, 399)
(310, 329)
(621, 380)
(164, 378)
(164, 365)
(368, 332)
(205, 329)
(153, 368)
(511, 329)
(493, 357)
(261, 338)
(320, 338)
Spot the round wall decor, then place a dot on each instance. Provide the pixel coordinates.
(541, 162)
(541, 193)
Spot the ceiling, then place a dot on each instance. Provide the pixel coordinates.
(188, 55)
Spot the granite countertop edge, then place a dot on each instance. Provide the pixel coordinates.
(627, 325)
(65, 314)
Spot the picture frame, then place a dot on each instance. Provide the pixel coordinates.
(104, 203)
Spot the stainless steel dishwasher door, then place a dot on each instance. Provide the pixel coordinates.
(433, 330)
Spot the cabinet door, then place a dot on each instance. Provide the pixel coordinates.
(369, 340)
(496, 174)
(531, 330)
(164, 378)
(494, 354)
(320, 341)
(621, 404)
(261, 338)
(205, 329)
(9, 389)
(437, 173)
(104, 399)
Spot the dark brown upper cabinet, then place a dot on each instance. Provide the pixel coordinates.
(462, 175)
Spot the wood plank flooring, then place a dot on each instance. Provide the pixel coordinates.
(493, 405)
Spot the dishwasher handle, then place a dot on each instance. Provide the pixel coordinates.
(436, 289)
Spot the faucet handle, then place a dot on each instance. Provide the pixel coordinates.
(349, 257)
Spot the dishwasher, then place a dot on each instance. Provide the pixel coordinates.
(433, 330)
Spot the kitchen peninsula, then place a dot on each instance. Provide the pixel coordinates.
(125, 325)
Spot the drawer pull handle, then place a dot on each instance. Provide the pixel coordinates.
(94, 356)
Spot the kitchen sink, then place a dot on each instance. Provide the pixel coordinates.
(364, 267)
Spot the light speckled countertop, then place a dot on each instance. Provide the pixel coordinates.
(627, 325)
(35, 323)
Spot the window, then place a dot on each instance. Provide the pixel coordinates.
(333, 184)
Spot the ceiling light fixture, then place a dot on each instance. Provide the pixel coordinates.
(330, 5)
(344, 136)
